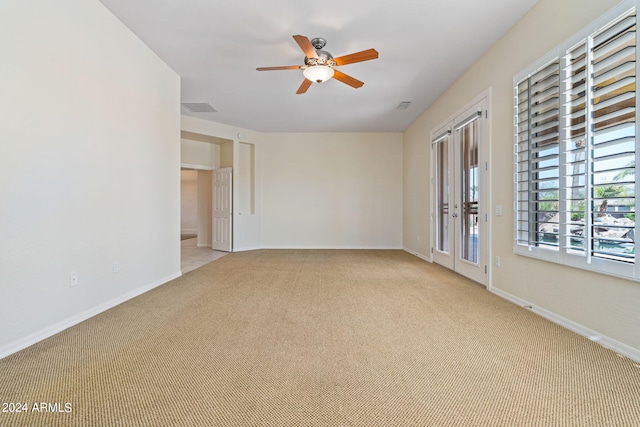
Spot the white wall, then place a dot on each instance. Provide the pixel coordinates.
(246, 178)
(188, 201)
(332, 190)
(199, 153)
(597, 304)
(317, 190)
(89, 166)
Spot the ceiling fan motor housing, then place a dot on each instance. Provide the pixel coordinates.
(318, 43)
(324, 58)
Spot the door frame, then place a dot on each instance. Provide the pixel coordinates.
(447, 129)
(204, 221)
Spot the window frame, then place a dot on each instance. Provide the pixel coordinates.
(562, 254)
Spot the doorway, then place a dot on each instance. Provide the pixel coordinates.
(460, 186)
(188, 203)
(196, 219)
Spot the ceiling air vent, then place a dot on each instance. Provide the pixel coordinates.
(403, 105)
(199, 107)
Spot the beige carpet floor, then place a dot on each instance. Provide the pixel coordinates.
(320, 338)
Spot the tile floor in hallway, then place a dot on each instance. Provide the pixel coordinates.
(193, 257)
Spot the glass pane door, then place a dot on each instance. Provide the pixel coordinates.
(469, 192)
(459, 200)
(442, 182)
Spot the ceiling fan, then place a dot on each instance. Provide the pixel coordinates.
(319, 65)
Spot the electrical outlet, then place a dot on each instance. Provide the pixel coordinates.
(497, 261)
(116, 266)
(73, 278)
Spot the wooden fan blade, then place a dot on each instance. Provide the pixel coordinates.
(365, 55)
(306, 46)
(284, 67)
(338, 75)
(306, 84)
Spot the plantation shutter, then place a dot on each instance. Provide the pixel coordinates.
(614, 124)
(575, 149)
(522, 162)
(577, 100)
(538, 157)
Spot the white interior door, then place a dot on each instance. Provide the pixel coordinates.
(222, 204)
(459, 188)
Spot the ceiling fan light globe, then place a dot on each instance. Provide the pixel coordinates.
(318, 73)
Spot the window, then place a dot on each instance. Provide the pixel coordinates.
(575, 151)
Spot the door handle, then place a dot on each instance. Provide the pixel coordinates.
(455, 215)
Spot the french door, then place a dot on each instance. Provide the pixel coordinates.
(460, 186)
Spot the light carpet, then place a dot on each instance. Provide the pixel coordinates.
(320, 338)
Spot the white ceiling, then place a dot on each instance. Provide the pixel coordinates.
(215, 46)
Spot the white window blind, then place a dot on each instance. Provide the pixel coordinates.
(614, 141)
(537, 153)
(576, 145)
(575, 152)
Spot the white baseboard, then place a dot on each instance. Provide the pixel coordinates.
(247, 248)
(373, 248)
(203, 245)
(608, 342)
(419, 255)
(47, 332)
